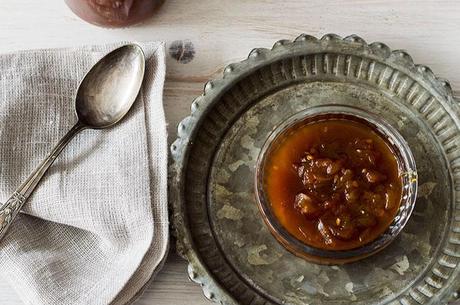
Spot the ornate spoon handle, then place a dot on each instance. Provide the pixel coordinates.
(12, 207)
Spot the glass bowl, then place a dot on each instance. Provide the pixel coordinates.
(407, 172)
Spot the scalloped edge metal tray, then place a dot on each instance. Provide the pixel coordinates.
(212, 91)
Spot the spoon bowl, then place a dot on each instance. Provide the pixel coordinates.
(110, 88)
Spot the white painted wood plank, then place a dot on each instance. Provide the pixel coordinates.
(172, 286)
(223, 32)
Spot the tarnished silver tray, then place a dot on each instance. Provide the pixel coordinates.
(218, 226)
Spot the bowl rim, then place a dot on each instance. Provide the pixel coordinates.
(408, 175)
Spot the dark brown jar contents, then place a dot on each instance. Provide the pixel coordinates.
(114, 13)
(333, 184)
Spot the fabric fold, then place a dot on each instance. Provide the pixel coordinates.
(96, 228)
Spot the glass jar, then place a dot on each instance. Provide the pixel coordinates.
(407, 172)
(114, 13)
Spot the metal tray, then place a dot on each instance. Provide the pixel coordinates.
(231, 252)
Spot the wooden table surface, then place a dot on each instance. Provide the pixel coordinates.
(223, 31)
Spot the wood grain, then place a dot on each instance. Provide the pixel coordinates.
(223, 32)
(172, 286)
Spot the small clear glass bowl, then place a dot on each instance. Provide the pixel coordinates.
(407, 170)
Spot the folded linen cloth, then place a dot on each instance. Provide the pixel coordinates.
(96, 228)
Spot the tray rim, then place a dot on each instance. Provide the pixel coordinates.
(400, 59)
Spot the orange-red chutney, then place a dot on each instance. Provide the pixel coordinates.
(333, 184)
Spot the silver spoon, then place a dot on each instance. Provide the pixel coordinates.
(105, 95)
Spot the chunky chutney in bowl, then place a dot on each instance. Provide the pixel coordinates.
(332, 181)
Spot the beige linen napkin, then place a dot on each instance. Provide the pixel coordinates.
(96, 228)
